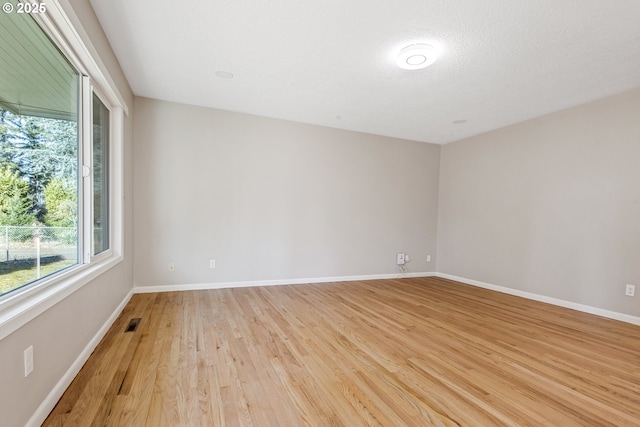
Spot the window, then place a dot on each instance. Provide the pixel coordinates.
(100, 176)
(60, 159)
(39, 152)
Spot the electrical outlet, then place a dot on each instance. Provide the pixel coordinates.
(400, 259)
(172, 267)
(212, 263)
(28, 361)
(630, 291)
(428, 258)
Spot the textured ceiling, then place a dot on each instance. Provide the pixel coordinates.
(331, 62)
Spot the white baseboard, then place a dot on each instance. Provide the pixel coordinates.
(542, 298)
(138, 289)
(52, 398)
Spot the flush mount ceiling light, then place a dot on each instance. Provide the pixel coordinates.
(416, 56)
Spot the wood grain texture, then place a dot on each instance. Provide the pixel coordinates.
(405, 352)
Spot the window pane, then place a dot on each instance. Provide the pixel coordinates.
(100, 176)
(38, 155)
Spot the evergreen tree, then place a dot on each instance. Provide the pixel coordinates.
(32, 160)
(16, 205)
(61, 203)
(39, 150)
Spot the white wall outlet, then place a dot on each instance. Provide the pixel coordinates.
(172, 267)
(212, 263)
(630, 291)
(28, 361)
(400, 259)
(428, 258)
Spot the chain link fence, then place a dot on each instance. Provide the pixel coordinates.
(33, 243)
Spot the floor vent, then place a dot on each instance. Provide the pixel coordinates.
(133, 324)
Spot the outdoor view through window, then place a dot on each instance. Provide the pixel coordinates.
(39, 93)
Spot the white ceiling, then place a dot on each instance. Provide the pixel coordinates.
(331, 62)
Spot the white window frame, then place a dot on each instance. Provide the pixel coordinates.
(20, 306)
(88, 90)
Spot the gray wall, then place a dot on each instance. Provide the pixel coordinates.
(60, 334)
(275, 200)
(549, 206)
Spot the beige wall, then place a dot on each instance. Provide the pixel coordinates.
(60, 334)
(549, 206)
(275, 200)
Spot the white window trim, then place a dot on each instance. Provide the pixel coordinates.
(22, 306)
(88, 90)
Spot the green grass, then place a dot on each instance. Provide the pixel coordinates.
(14, 275)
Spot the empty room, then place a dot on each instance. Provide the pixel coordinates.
(319, 213)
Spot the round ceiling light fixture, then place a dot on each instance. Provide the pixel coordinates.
(417, 56)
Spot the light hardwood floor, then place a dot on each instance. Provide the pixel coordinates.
(409, 352)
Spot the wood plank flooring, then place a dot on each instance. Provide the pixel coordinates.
(406, 352)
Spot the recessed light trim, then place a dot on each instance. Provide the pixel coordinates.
(417, 56)
(416, 60)
(224, 74)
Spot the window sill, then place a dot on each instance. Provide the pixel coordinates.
(19, 309)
